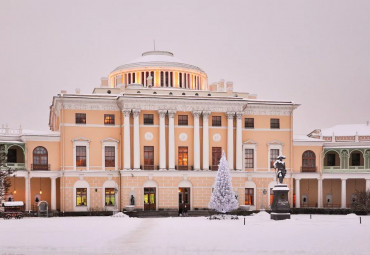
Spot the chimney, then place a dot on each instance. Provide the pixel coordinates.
(229, 88)
(213, 87)
(77, 91)
(221, 86)
(104, 82)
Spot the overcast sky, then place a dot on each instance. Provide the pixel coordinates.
(315, 53)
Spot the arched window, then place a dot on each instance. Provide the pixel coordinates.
(40, 159)
(308, 161)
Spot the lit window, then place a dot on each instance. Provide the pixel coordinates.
(249, 196)
(81, 197)
(80, 118)
(80, 155)
(110, 197)
(183, 158)
(109, 119)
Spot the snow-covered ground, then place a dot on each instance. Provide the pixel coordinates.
(323, 234)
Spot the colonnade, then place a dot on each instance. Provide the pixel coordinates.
(172, 141)
(320, 192)
(53, 205)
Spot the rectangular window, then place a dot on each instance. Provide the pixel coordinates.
(80, 118)
(274, 123)
(80, 155)
(249, 123)
(216, 121)
(249, 196)
(183, 120)
(81, 197)
(274, 154)
(148, 157)
(216, 156)
(355, 158)
(110, 159)
(249, 158)
(109, 119)
(110, 197)
(183, 158)
(148, 119)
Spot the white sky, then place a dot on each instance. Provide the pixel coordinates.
(315, 53)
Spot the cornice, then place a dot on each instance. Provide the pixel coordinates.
(261, 109)
(155, 104)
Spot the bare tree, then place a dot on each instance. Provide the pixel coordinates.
(5, 173)
(361, 203)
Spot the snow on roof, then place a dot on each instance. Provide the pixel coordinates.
(347, 130)
(157, 59)
(14, 203)
(305, 138)
(39, 132)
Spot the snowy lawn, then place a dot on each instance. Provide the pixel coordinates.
(323, 234)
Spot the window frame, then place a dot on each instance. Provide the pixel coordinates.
(147, 120)
(110, 159)
(249, 123)
(109, 196)
(182, 151)
(80, 118)
(42, 165)
(109, 119)
(183, 120)
(275, 123)
(82, 195)
(250, 196)
(148, 151)
(81, 142)
(217, 121)
(249, 162)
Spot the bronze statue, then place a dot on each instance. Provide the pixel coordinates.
(279, 164)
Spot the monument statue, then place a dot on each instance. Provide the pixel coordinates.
(279, 164)
(280, 208)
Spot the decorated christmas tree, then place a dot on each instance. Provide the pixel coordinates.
(223, 198)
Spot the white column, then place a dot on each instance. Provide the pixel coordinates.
(344, 193)
(297, 193)
(127, 140)
(205, 141)
(319, 193)
(367, 185)
(171, 140)
(238, 146)
(230, 139)
(27, 192)
(162, 140)
(53, 193)
(136, 114)
(196, 115)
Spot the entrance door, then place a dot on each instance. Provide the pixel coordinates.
(184, 198)
(149, 199)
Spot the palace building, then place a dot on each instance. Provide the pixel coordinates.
(152, 135)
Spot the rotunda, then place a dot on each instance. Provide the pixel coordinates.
(159, 69)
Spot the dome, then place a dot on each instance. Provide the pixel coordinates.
(159, 69)
(158, 59)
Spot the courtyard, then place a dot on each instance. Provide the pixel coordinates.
(321, 234)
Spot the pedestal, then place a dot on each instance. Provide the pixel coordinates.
(280, 208)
